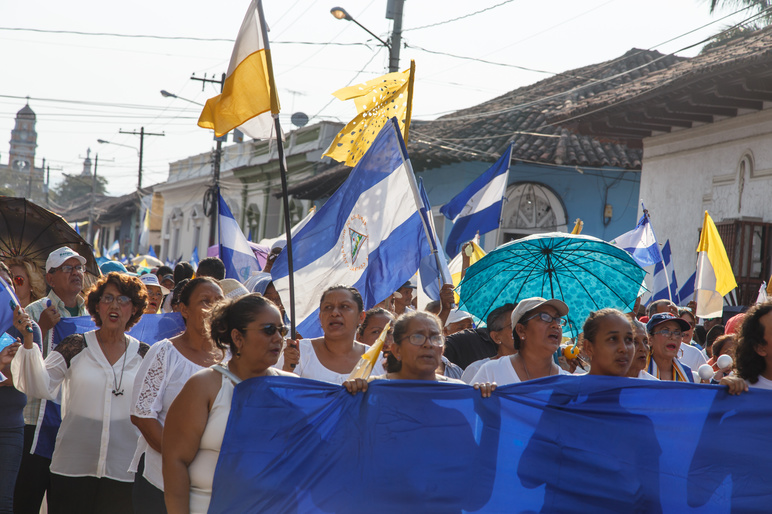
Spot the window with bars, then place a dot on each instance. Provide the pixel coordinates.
(748, 245)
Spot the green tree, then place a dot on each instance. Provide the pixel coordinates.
(77, 186)
(759, 6)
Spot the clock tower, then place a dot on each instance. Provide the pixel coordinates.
(21, 156)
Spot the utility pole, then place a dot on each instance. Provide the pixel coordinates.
(141, 135)
(394, 12)
(93, 197)
(214, 191)
(48, 186)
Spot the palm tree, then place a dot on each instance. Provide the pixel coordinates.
(760, 6)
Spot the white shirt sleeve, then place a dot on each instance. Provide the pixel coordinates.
(484, 374)
(149, 386)
(35, 377)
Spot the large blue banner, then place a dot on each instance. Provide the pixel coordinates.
(559, 444)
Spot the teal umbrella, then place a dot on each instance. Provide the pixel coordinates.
(585, 272)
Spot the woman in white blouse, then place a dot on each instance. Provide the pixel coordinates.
(95, 371)
(166, 368)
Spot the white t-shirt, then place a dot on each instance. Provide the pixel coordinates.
(691, 356)
(501, 371)
(96, 438)
(472, 370)
(310, 366)
(159, 380)
(763, 383)
(645, 375)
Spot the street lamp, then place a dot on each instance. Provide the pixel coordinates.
(396, 33)
(105, 142)
(167, 94)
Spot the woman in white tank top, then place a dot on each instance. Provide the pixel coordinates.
(251, 327)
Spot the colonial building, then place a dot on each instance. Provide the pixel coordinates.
(705, 125)
(20, 176)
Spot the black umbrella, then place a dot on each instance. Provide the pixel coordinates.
(31, 231)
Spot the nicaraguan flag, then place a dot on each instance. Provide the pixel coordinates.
(662, 271)
(235, 252)
(194, 258)
(432, 275)
(641, 243)
(686, 293)
(368, 235)
(115, 248)
(478, 207)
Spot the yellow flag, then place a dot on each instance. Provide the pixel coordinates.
(366, 363)
(456, 263)
(714, 272)
(578, 226)
(248, 100)
(376, 101)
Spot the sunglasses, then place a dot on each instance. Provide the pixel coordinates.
(19, 280)
(271, 329)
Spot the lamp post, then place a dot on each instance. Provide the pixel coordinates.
(396, 32)
(167, 94)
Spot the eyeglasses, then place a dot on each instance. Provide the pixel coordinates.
(69, 269)
(419, 339)
(108, 299)
(670, 334)
(271, 329)
(18, 280)
(546, 318)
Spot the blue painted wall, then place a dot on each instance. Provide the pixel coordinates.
(583, 195)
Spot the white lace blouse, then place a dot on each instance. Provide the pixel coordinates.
(159, 380)
(96, 437)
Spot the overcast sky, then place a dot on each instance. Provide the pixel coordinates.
(88, 87)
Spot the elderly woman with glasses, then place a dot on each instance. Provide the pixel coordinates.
(537, 330)
(665, 332)
(95, 372)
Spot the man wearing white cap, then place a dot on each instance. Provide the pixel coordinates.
(155, 292)
(64, 275)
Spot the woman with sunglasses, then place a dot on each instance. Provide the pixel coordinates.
(251, 328)
(166, 368)
(537, 330)
(665, 332)
(95, 371)
(332, 357)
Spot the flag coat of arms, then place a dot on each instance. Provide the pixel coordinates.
(368, 235)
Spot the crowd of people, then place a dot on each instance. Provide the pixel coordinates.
(142, 421)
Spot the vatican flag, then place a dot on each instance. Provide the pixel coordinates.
(377, 100)
(249, 99)
(714, 272)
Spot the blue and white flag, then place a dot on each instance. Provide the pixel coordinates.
(194, 258)
(235, 252)
(478, 207)
(151, 252)
(686, 293)
(114, 249)
(433, 275)
(641, 243)
(664, 278)
(368, 235)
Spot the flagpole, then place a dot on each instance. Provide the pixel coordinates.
(503, 198)
(659, 251)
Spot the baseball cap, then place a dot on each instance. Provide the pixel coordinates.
(60, 256)
(662, 317)
(151, 280)
(457, 315)
(530, 304)
(115, 266)
(409, 284)
(232, 288)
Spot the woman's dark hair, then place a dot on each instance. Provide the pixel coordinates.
(375, 311)
(190, 287)
(235, 313)
(748, 362)
(353, 290)
(721, 342)
(714, 333)
(683, 311)
(400, 327)
(498, 317)
(126, 285)
(182, 271)
(178, 287)
(592, 324)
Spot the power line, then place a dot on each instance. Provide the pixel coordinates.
(460, 17)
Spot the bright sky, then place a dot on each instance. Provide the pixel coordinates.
(87, 87)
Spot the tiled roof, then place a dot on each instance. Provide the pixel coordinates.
(523, 116)
(717, 83)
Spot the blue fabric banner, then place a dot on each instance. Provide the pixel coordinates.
(559, 444)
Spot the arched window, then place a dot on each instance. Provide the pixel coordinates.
(531, 208)
(253, 220)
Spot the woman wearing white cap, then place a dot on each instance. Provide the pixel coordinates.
(155, 293)
(537, 329)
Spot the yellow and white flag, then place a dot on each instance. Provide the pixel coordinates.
(377, 100)
(456, 264)
(249, 99)
(714, 272)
